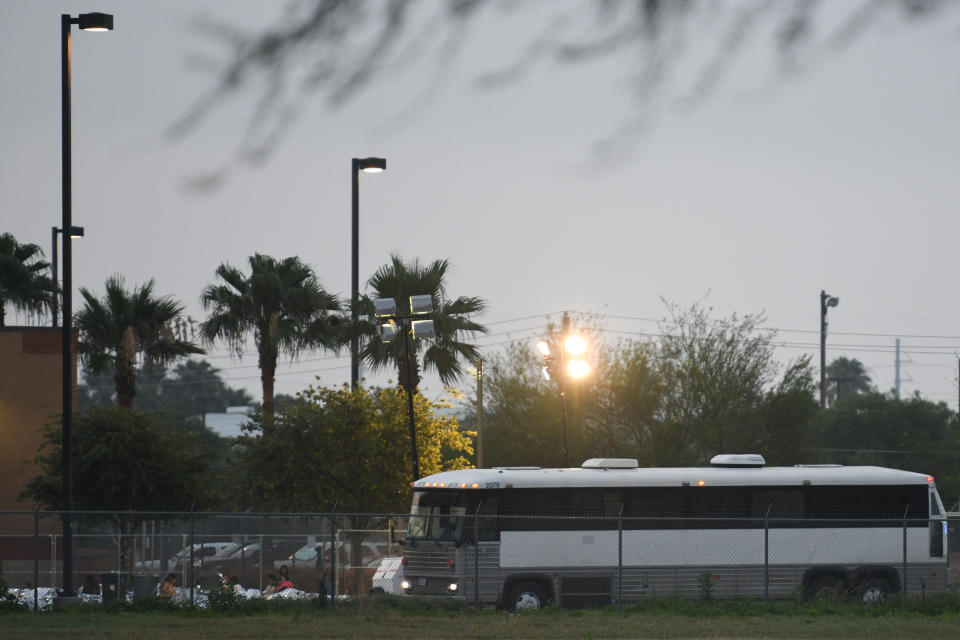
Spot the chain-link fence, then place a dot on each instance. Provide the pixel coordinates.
(507, 560)
(116, 553)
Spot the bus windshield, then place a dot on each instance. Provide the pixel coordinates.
(436, 516)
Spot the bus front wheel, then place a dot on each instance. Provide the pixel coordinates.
(526, 595)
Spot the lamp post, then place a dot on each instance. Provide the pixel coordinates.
(391, 324)
(570, 345)
(367, 165)
(826, 300)
(75, 232)
(86, 22)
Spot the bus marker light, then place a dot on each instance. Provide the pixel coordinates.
(929, 478)
(452, 586)
(475, 486)
(700, 483)
(405, 585)
(463, 486)
(450, 562)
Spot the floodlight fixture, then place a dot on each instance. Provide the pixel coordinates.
(383, 307)
(421, 304)
(423, 329)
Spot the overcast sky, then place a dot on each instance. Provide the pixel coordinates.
(843, 177)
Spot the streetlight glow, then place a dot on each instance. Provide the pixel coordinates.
(575, 345)
(577, 369)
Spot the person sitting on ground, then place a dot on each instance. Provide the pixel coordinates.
(284, 581)
(272, 584)
(90, 586)
(168, 588)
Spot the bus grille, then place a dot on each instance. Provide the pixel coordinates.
(432, 561)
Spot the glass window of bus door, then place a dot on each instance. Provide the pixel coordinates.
(936, 507)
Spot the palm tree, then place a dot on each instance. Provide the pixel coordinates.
(123, 325)
(451, 319)
(24, 277)
(847, 376)
(281, 303)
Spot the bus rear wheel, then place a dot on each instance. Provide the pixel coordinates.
(526, 595)
(874, 591)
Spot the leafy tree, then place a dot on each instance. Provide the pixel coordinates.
(707, 386)
(337, 446)
(452, 323)
(715, 374)
(521, 415)
(125, 460)
(346, 448)
(191, 388)
(875, 429)
(24, 278)
(281, 303)
(846, 376)
(126, 325)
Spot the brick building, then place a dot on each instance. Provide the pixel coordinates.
(30, 382)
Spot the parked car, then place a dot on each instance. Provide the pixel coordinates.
(203, 552)
(307, 555)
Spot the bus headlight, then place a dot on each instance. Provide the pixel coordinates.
(405, 585)
(452, 587)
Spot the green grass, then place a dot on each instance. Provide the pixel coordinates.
(392, 617)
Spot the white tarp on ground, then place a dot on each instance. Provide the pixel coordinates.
(46, 597)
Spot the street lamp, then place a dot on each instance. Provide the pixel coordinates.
(826, 300)
(367, 165)
(75, 232)
(86, 22)
(572, 365)
(391, 324)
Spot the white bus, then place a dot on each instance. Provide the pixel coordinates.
(611, 532)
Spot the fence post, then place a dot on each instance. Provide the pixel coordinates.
(190, 570)
(905, 560)
(36, 555)
(53, 561)
(476, 558)
(333, 555)
(766, 555)
(620, 559)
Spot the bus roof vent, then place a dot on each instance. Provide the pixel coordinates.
(738, 460)
(610, 463)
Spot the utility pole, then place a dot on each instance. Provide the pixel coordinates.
(896, 378)
(480, 413)
(826, 300)
(564, 331)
